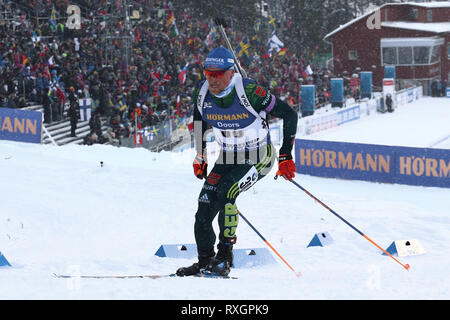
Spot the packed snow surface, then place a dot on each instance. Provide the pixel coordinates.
(62, 212)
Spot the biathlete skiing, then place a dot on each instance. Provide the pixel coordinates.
(236, 109)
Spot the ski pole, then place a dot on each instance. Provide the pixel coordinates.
(220, 23)
(298, 274)
(406, 266)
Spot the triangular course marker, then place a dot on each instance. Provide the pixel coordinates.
(320, 239)
(3, 261)
(403, 248)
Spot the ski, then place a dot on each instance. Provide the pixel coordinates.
(71, 276)
(207, 274)
(141, 276)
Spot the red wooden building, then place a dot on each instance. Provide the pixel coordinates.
(414, 37)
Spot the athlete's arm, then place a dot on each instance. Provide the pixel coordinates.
(290, 118)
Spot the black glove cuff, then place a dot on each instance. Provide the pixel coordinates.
(284, 157)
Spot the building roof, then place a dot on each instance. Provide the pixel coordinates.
(408, 42)
(343, 26)
(435, 27)
(439, 4)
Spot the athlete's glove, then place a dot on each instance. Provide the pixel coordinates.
(286, 167)
(200, 166)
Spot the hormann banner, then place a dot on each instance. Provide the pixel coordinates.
(20, 125)
(391, 164)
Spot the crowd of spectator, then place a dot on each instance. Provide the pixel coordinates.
(128, 67)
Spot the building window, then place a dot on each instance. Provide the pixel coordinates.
(405, 55)
(429, 15)
(435, 54)
(412, 51)
(448, 51)
(414, 14)
(352, 55)
(390, 56)
(411, 55)
(421, 55)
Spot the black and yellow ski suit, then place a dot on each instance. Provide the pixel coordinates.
(235, 171)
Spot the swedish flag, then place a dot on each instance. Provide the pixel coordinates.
(272, 22)
(256, 29)
(122, 105)
(243, 50)
(95, 104)
(53, 17)
(180, 123)
(154, 131)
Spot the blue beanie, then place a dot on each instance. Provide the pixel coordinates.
(219, 58)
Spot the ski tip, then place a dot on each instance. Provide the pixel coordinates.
(407, 267)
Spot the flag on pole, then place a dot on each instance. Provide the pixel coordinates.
(178, 101)
(272, 22)
(257, 26)
(190, 125)
(267, 54)
(167, 77)
(256, 30)
(155, 75)
(85, 109)
(182, 74)
(122, 104)
(137, 36)
(243, 50)
(173, 30)
(210, 37)
(51, 61)
(53, 17)
(180, 123)
(171, 19)
(275, 43)
(138, 138)
(154, 130)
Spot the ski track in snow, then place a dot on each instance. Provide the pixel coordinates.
(61, 212)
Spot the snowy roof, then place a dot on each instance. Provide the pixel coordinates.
(440, 4)
(343, 26)
(407, 42)
(436, 27)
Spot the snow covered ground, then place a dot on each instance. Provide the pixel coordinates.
(61, 211)
(423, 124)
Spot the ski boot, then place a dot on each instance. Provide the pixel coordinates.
(204, 258)
(223, 261)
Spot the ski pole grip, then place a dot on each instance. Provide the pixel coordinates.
(220, 22)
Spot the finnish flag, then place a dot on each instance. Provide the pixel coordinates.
(85, 109)
(275, 43)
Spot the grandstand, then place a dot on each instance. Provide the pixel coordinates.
(129, 55)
